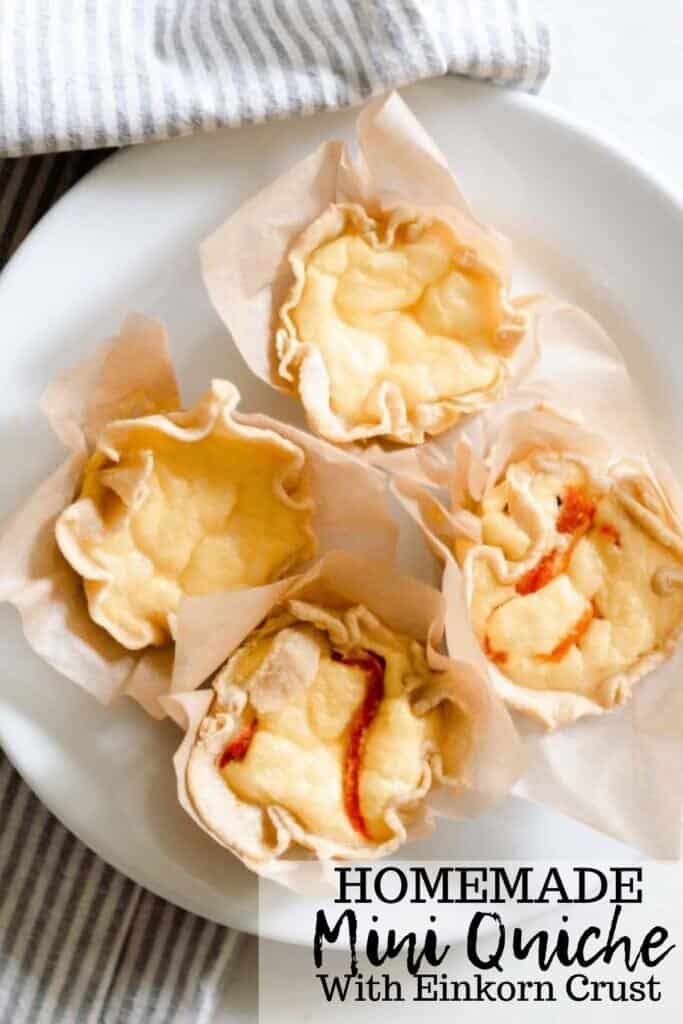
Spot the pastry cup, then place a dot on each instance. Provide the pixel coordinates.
(571, 589)
(620, 772)
(355, 606)
(257, 267)
(341, 502)
(180, 503)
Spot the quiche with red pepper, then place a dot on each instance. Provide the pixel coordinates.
(574, 591)
(328, 728)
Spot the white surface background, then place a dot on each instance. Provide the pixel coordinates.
(616, 67)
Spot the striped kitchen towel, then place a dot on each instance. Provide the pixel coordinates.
(80, 943)
(85, 74)
(88, 74)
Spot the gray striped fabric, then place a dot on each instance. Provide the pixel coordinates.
(79, 943)
(82, 74)
(30, 185)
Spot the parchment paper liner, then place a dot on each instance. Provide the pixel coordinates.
(251, 263)
(131, 375)
(494, 758)
(620, 772)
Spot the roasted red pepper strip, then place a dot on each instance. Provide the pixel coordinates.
(577, 511)
(237, 748)
(373, 666)
(550, 566)
(610, 531)
(497, 657)
(558, 652)
(576, 516)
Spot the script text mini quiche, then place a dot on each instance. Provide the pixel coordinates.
(394, 328)
(575, 586)
(186, 503)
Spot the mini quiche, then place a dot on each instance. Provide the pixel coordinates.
(329, 729)
(184, 503)
(394, 326)
(574, 591)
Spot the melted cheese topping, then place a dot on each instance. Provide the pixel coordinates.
(210, 520)
(418, 314)
(296, 758)
(587, 608)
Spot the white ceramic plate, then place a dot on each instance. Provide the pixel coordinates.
(587, 224)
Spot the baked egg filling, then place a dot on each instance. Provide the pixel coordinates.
(564, 591)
